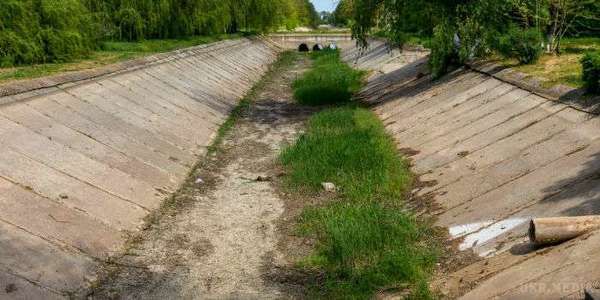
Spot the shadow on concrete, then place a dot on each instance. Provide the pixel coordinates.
(583, 190)
(407, 81)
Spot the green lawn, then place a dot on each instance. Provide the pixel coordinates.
(109, 52)
(365, 240)
(564, 68)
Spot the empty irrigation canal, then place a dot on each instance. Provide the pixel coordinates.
(88, 158)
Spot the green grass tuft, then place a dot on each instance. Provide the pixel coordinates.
(330, 81)
(348, 146)
(365, 241)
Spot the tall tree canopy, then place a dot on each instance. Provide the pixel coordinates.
(33, 31)
(552, 18)
(462, 29)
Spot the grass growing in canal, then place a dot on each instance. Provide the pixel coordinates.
(330, 81)
(365, 240)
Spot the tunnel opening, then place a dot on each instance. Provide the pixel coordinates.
(317, 47)
(303, 48)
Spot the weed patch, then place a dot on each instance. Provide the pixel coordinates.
(365, 240)
(330, 81)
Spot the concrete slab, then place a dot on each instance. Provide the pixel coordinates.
(479, 158)
(17, 288)
(41, 262)
(115, 212)
(117, 124)
(115, 105)
(53, 222)
(437, 144)
(77, 165)
(57, 132)
(456, 119)
(119, 140)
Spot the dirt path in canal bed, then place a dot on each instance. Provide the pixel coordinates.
(218, 236)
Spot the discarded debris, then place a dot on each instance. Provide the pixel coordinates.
(199, 180)
(328, 187)
(546, 231)
(263, 178)
(463, 153)
(63, 196)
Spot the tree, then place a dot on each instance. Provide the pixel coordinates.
(342, 15)
(555, 18)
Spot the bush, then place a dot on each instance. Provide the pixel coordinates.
(61, 46)
(524, 45)
(443, 51)
(330, 80)
(130, 24)
(473, 40)
(591, 71)
(15, 49)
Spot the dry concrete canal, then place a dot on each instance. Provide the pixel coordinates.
(88, 158)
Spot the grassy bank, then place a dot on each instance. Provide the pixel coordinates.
(559, 69)
(109, 53)
(365, 240)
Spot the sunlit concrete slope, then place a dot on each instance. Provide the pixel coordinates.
(490, 157)
(81, 163)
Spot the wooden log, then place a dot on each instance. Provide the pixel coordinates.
(546, 231)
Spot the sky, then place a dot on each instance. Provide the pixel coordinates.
(325, 5)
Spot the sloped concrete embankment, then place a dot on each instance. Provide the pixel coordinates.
(83, 162)
(491, 156)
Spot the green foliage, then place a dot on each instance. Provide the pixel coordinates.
(522, 44)
(473, 40)
(591, 71)
(329, 81)
(342, 16)
(129, 23)
(60, 46)
(443, 51)
(477, 22)
(365, 241)
(38, 31)
(15, 49)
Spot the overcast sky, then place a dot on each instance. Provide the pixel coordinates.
(325, 5)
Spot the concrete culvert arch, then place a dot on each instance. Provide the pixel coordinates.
(317, 47)
(303, 47)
